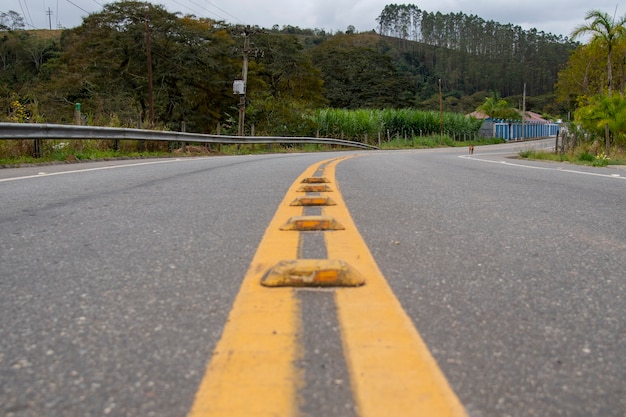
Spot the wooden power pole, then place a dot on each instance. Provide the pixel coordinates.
(244, 77)
(149, 59)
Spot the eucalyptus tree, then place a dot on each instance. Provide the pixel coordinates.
(607, 32)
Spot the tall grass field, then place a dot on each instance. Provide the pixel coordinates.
(366, 125)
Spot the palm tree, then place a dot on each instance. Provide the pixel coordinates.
(606, 32)
(498, 108)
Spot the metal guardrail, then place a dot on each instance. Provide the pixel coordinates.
(21, 131)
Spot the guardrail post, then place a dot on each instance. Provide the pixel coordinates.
(77, 120)
(252, 134)
(38, 148)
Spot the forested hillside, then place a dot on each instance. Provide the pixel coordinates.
(473, 54)
(103, 65)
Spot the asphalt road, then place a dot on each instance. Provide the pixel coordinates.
(116, 278)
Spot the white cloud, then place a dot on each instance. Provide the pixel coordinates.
(555, 16)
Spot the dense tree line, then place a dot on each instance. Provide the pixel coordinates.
(103, 65)
(594, 81)
(474, 54)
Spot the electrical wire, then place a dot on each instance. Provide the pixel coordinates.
(26, 14)
(29, 15)
(187, 7)
(77, 6)
(220, 9)
(207, 11)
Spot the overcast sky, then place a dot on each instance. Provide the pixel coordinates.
(555, 16)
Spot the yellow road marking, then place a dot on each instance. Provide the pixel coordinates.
(391, 370)
(312, 273)
(315, 188)
(313, 201)
(315, 180)
(311, 223)
(252, 372)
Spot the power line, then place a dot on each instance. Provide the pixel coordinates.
(219, 8)
(206, 10)
(26, 14)
(29, 16)
(77, 6)
(187, 7)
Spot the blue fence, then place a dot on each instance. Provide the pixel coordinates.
(513, 130)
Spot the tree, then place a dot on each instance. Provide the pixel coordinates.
(473, 54)
(11, 20)
(606, 32)
(283, 85)
(604, 114)
(498, 108)
(358, 74)
(584, 76)
(105, 66)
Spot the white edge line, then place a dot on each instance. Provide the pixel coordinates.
(571, 171)
(76, 171)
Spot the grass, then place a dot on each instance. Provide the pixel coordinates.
(17, 153)
(367, 124)
(579, 157)
(435, 142)
(86, 153)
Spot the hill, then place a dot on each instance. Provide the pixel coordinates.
(103, 64)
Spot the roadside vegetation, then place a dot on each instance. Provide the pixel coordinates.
(597, 134)
(579, 157)
(399, 86)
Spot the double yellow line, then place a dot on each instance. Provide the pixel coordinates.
(252, 371)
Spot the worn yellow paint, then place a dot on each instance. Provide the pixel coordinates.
(313, 201)
(252, 372)
(311, 223)
(312, 273)
(315, 188)
(315, 180)
(392, 372)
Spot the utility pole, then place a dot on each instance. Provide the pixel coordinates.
(149, 59)
(49, 14)
(244, 78)
(440, 110)
(523, 110)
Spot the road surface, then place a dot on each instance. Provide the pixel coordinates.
(119, 281)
